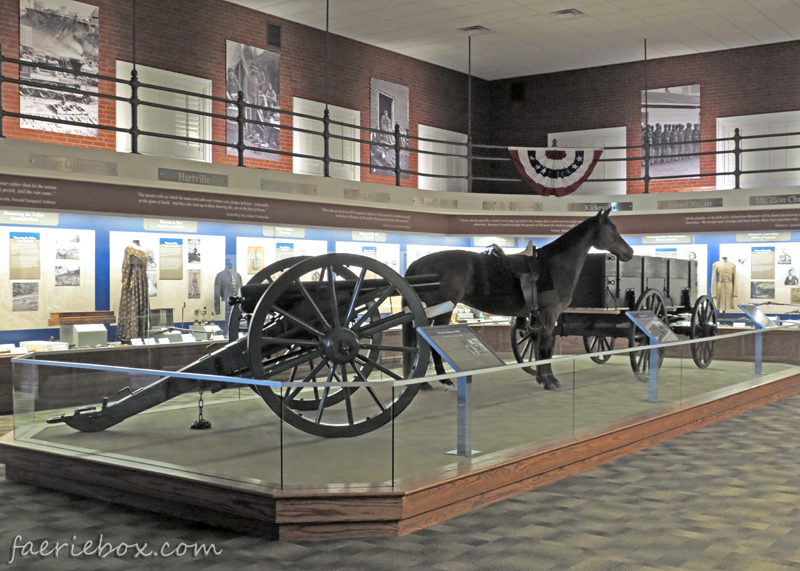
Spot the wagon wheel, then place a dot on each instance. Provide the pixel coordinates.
(308, 399)
(651, 300)
(597, 344)
(703, 324)
(523, 342)
(332, 329)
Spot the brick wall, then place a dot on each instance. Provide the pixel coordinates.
(762, 79)
(188, 36)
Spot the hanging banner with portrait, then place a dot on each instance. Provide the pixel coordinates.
(256, 73)
(65, 34)
(388, 106)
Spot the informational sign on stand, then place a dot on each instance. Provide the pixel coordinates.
(760, 321)
(460, 347)
(653, 327)
(464, 351)
(657, 332)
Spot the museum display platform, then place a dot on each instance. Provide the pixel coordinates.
(253, 473)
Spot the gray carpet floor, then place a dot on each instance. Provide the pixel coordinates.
(726, 497)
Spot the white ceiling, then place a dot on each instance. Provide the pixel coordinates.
(526, 41)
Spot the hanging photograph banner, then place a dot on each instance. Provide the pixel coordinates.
(388, 106)
(671, 125)
(171, 259)
(256, 73)
(554, 172)
(24, 256)
(59, 33)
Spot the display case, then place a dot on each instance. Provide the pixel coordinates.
(258, 470)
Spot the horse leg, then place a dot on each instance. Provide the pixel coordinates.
(545, 347)
(443, 319)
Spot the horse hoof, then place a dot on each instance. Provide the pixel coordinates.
(425, 387)
(552, 386)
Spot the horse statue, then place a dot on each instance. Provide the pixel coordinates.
(492, 283)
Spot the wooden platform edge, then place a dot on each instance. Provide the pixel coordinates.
(358, 515)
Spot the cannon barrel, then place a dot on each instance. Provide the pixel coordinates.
(253, 292)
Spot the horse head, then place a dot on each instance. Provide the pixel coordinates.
(607, 237)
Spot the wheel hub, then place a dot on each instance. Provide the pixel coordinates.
(341, 345)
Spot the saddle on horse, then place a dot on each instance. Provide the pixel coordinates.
(526, 267)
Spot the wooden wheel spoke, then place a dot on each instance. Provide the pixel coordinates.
(366, 360)
(314, 305)
(394, 320)
(334, 302)
(290, 342)
(387, 291)
(289, 361)
(324, 397)
(370, 390)
(397, 348)
(297, 321)
(356, 292)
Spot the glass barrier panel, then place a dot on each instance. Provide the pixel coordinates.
(166, 434)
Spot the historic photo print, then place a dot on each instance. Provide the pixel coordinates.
(671, 124)
(59, 33)
(256, 73)
(68, 275)
(388, 106)
(25, 296)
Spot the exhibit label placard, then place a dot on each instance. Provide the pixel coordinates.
(161, 225)
(171, 258)
(28, 217)
(764, 237)
(597, 206)
(461, 347)
(762, 262)
(283, 231)
(193, 177)
(359, 236)
(66, 164)
(24, 256)
(668, 239)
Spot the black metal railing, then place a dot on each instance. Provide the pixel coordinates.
(391, 145)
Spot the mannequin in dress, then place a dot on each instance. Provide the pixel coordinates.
(723, 284)
(227, 283)
(134, 304)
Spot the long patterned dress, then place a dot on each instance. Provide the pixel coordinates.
(134, 305)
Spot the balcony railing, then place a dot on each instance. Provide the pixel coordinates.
(393, 143)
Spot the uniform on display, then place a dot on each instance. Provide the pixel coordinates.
(723, 284)
(227, 283)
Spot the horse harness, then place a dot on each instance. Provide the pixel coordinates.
(531, 270)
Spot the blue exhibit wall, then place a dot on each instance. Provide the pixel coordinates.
(104, 225)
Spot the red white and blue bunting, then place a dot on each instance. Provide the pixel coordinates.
(556, 172)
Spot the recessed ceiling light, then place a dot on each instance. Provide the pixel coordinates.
(569, 14)
(475, 30)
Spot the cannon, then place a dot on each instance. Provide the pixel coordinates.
(320, 323)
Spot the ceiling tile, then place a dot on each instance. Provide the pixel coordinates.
(527, 40)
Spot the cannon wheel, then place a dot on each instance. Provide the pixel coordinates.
(703, 324)
(308, 399)
(523, 342)
(338, 328)
(650, 300)
(598, 343)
